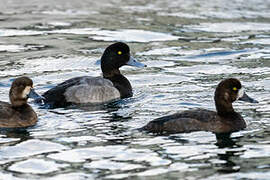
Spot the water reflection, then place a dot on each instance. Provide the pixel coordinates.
(230, 165)
(231, 156)
(224, 140)
(19, 133)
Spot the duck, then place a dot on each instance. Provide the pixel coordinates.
(96, 90)
(221, 122)
(17, 113)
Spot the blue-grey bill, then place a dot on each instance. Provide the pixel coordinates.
(34, 95)
(246, 98)
(133, 62)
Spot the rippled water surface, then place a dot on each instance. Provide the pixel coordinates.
(188, 46)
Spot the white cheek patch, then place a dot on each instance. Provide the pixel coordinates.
(26, 91)
(240, 93)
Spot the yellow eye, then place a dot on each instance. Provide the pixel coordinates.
(119, 52)
(235, 88)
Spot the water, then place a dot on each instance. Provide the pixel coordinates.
(189, 46)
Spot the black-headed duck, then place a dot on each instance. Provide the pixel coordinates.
(19, 114)
(225, 120)
(86, 89)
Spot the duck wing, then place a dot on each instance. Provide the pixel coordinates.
(85, 89)
(55, 97)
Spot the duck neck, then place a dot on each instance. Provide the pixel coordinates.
(224, 109)
(223, 105)
(18, 102)
(15, 101)
(120, 82)
(111, 73)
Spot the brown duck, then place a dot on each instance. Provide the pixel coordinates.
(19, 114)
(224, 120)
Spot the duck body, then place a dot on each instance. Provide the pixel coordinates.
(196, 120)
(95, 90)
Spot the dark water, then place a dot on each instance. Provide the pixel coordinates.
(189, 46)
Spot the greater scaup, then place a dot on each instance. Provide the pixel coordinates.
(86, 89)
(19, 114)
(225, 120)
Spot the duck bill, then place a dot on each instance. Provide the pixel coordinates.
(33, 95)
(133, 62)
(246, 98)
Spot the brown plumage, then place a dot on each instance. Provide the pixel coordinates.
(225, 120)
(18, 114)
